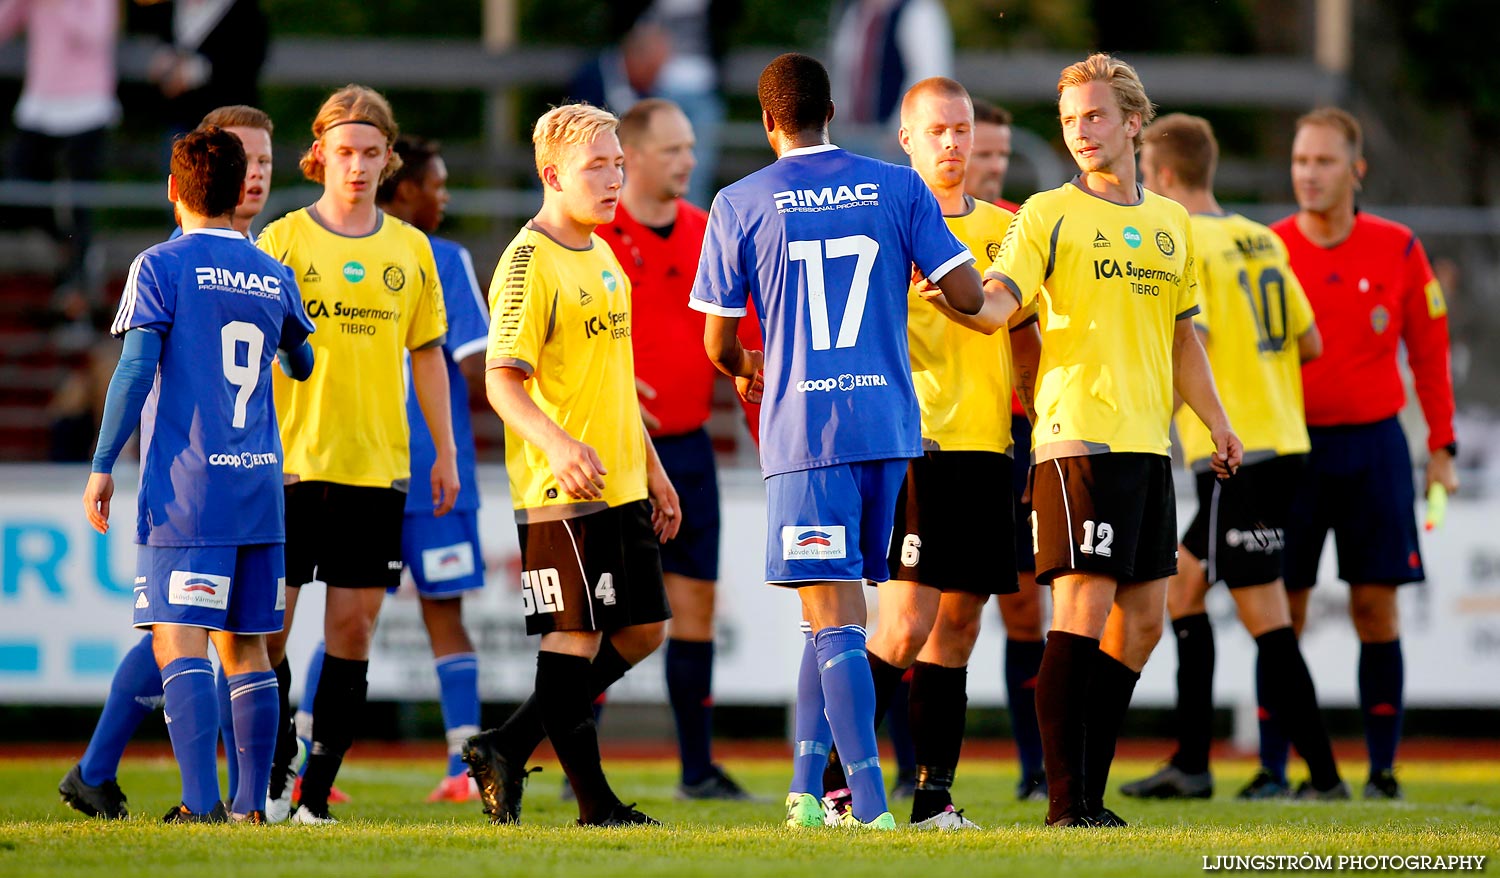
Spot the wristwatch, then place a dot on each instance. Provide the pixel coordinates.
(1452, 449)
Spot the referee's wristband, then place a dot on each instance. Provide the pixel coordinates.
(1451, 448)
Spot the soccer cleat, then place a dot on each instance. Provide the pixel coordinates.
(457, 788)
(181, 814)
(1265, 785)
(1339, 792)
(279, 808)
(254, 818)
(105, 800)
(886, 821)
(803, 811)
(947, 819)
(307, 817)
(836, 805)
(904, 786)
(1107, 818)
(718, 786)
(1383, 785)
(565, 792)
(500, 783)
(622, 815)
(1082, 821)
(1172, 783)
(336, 796)
(1032, 788)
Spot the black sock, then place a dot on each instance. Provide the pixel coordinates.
(1023, 659)
(887, 679)
(1195, 692)
(523, 732)
(337, 709)
(1109, 694)
(286, 731)
(1293, 703)
(566, 703)
(939, 702)
(1382, 675)
(1062, 698)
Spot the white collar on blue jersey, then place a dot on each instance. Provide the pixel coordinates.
(809, 150)
(217, 233)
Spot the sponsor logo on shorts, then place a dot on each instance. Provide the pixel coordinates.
(845, 382)
(1258, 539)
(393, 565)
(447, 563)
(805, 542)
(541, 591)
(243, 460)
(188, 589)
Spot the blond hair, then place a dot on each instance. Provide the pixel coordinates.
(1341, 121)
(1123, 81)
(567, 126)
(1186, 144)
(352, 103)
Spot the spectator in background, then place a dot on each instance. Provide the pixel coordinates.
(991, 158)
(621, 75)
(67, 103)
(879, 49)
(213, 56)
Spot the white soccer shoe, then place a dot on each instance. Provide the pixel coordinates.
(279, 809)
(947, 820)
(305, 817)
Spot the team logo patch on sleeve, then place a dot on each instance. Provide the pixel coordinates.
(206, 590)
(448, 562)
(804, 542)
(1437, 306)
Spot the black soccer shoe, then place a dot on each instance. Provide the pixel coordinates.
(1383, 785)
(717, 786)
(1264, 785)
(1032, 788)
(1081, 821)
(1339, 792)
(1107, 818)
(905, 786)
(1172, 783)
(622, 815)
(500, 783)
(181, 814)
(105, 800)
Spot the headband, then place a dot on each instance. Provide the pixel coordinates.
(351, 122)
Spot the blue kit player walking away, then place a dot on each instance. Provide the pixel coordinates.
(824, 241)
(210, 518)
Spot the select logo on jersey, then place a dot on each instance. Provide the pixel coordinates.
(806, 542)
(610, 282)
(266, 286)
(845, 382)
(541, 591)
(243, 460)
(354, 272)
(615, 323)
(827, 198)
(584, 298)
(447, 563)
(206, 590)
(1165, 244)
(394, 278)
(311, 276)
(1132, 237)
(1100, 240)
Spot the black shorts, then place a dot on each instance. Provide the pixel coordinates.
(1359, 483)
(689, 462)
(597, 572)
(343, 535)
(1239, 532)
(953, 518)
(1113, 513)
(1020, 432)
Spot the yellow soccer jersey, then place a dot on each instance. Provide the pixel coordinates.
(562, 317)
(963, 378)
(1253, 310)
(1111, 281)
(372, 298)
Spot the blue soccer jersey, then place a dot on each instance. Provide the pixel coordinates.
(210, 445)
(468, 334)
(824, 241)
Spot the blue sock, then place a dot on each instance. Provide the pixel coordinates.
(256, 707)
(303, 719)
(814, 736)
(193, 724)
(1382, 674)
(226, 733)
(458, 691)
(898, 726)
(690, 672)
(849, 699)
(134, 692)
(1274, 746)
(1023, 661)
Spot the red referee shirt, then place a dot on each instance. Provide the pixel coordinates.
(1370, 293)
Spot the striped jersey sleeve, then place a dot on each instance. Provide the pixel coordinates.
(521, 309)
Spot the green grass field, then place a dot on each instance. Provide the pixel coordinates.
(1451, 808)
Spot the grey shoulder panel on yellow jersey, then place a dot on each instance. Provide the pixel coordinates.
(1067, 448)
(560, 512)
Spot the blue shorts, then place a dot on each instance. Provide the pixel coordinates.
(1358, 483)
(689, 462)
(443, 553)
(238, 589)
(831, 523)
